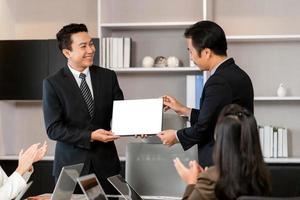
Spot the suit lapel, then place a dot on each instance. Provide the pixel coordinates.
(71, 81)
(95, 79)
(69, 78)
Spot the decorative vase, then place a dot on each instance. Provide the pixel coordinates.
(281, 91)
(172, 61)
(160, 61)
(148, 61)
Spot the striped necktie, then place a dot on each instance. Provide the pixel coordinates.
(86, 93)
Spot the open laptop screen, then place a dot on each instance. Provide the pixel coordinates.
(66, 182)
(124, 188)
(91, 187)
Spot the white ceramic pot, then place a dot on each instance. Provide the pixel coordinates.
(281, 91)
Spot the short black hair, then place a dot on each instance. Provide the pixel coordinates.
(207, 34)
(64, 35)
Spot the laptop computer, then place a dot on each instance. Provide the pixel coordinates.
(66, 182)
(124, 188)
(91, 187)
(139, 116)
(21, 194)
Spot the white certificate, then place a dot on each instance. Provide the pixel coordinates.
(141, 116)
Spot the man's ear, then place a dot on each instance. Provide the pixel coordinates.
(207, 52)
(67, 53)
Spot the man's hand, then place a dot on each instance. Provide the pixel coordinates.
(168, 137)
(103, 135)
(172, 103)
(188, 175)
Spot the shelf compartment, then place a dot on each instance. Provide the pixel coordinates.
(273, 98)
(282, 160)
(147, 25)
(156, 69)
(263, 38)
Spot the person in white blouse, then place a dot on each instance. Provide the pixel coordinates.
(11, 186)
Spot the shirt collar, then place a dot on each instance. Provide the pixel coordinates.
(77, 73)
(216, 67)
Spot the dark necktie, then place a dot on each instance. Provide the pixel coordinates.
(86, 93)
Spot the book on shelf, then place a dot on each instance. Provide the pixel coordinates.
(103, 52)
(194, 87)
(285, 143)
(107, 49)
(120, 54)
(115, 52)
(127, 47)
(190, 91)
(111, 52)
(280, 144)
(199, 89)
(273, 141)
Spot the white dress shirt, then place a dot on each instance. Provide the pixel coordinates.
(87, 78)
(11, 186)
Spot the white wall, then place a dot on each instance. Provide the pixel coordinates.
(7, 27)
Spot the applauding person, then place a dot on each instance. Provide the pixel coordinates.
(239, 166)
(12, 185)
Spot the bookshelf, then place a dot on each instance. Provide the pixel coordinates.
(265, 46)
(154, 32)
(261, 38)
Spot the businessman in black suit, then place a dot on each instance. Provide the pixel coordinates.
(77, 105)
(227, 84)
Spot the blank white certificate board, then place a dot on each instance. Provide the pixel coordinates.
(134, 117)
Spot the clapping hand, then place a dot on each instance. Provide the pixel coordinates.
(29, 156)
(189, 175)
(41, 152)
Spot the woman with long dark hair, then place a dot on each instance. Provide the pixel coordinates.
(239, 166)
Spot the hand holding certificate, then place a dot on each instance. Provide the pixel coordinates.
(134, 117)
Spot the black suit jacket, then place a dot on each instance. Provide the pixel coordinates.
(68, 121)
(229, 84)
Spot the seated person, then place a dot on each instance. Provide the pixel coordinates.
(239, 166)
(11, 186)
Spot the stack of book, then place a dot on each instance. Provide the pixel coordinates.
(115, 52)
(274, 141)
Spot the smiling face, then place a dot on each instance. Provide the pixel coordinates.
(81, 54)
